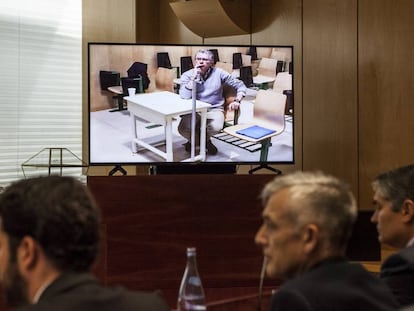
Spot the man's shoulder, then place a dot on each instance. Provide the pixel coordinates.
(86, 293)
(399, 262)
(325, 285)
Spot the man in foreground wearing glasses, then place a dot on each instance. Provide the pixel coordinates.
(209, 82)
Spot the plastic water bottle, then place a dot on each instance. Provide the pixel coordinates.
(191, 295)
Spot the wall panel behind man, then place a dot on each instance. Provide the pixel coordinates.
(386, 90)
(103, 21)
(330, 87)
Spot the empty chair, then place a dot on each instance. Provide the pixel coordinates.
(267, 67)
(163, 60)
(268, 120)
(252, 52)
(137, 70)
(127, 83)
(225, 66)
(186, 63)
(246, 60)
(237, 60)
(246, 75)
(216, 55)
(266, 72)
(122, 90)
(279, 66)
(283, 82)
(164, 79)
(279, 55)
(108, 79)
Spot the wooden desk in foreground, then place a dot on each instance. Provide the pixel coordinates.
(148, 221)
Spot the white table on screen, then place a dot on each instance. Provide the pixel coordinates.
(263, 80)
(161, 108)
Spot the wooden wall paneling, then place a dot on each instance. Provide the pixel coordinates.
(108, 20)
(103, 21)
(147, 21)
(172, 30)
(330, 128)
(385, 89)
(280, 23)
(150, 220)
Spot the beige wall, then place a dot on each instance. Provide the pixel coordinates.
(353, 80)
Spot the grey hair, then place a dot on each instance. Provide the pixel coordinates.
(320, 199)
(207, 52)
(396, 185)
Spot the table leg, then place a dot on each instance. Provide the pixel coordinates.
(134, 132)
(168, 140)
(203, 131)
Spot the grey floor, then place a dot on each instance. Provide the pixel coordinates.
(110, 142)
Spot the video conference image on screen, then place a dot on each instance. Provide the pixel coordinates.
(136, 109)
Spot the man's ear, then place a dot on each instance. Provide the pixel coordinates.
(310, 237)
(407, 211)
(27, 254)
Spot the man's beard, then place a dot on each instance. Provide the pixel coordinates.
(14, 286)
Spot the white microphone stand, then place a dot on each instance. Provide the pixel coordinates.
(193, 116)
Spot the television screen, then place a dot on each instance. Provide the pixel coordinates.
(136, 107)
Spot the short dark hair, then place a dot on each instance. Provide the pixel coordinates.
(396, 185)
(59, 213)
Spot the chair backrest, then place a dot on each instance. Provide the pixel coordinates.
(246, 60)
(216, 55)
(237, 60)
(186, 63)
(283, 82)
(279, 55)
(246, 75)
(290, 67)
(225, 66)
(252, 52)
(279, 66)
(109, 78)
(164, 79)
(139, 69)
(267, 67)
(127, 82)
(163, 60)
(269, 106)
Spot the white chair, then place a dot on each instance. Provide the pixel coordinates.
(225, 66)
(283, 82)
(266, 71)
(246, 60)
(279, 55)
(267, 67)
(164, 79)
(269, 114)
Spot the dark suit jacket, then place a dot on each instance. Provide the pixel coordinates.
(334, 285)
(84, 292)
(398, 272)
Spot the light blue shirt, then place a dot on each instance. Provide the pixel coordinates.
(210, 90)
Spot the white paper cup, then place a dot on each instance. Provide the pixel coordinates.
(131, 91)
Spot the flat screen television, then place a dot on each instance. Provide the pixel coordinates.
(117, 138)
